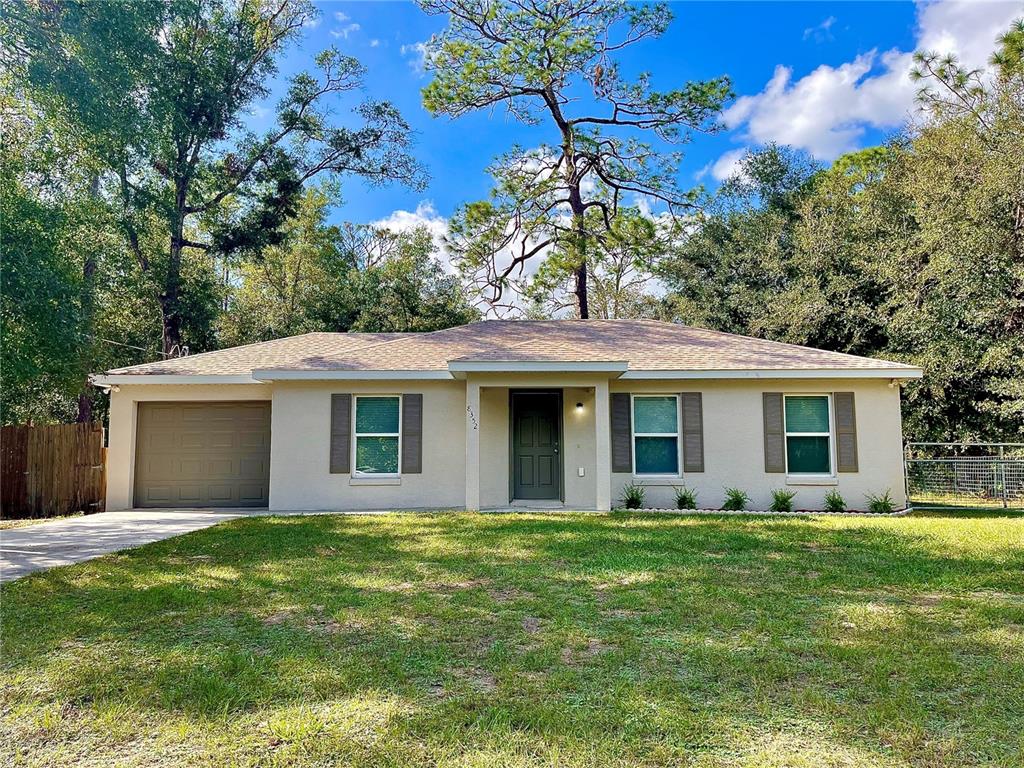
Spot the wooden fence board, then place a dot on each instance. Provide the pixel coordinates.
(52, 470)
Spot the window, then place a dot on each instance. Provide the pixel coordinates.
(377, 434)
(656, 435)
(808, 435)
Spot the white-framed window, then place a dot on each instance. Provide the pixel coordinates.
(809, 435)
(377, 437)
(656, 435)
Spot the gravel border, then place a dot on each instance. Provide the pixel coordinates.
(767, 512)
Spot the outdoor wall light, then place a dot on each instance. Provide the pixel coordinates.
(579, 407)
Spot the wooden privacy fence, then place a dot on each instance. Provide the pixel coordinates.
(52, 470)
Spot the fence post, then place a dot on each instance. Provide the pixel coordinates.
(906, 475)
(1002, 477)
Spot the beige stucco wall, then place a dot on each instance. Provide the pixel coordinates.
(123, 414)
(300, 475)
(578, 449)
(734, 443)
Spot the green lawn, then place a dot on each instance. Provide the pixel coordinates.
(515, 640)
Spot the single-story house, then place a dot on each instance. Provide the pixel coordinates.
(496, 414)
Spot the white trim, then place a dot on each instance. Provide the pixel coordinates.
(103, 380)
(261, 375)
(812, 480)
(272, 374)
(831, 435)
(356, 434)
(780, 373)
(677, 435)
(537, 366)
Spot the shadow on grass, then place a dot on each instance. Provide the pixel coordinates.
(647, 627)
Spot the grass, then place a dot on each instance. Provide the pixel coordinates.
(527, 640)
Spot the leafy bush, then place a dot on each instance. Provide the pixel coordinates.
(834, 501)
(686, 498)
(735, 499)
(782, 501)
(633, 496)
(880, 505)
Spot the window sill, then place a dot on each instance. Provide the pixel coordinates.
(657, 480)
(367, 480)
(812, 480)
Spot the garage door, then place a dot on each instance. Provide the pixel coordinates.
(202, 455)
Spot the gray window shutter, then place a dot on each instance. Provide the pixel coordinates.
(693, 432)
(412, 434)
(622, 432)
(846, 431)
(341, 434)
(774, 433)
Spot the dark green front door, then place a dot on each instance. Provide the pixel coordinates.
(536, 453)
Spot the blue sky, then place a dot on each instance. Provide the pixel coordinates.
(826, 77)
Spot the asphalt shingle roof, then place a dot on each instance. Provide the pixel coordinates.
(646, 345)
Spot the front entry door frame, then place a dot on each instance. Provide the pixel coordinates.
(556, 395)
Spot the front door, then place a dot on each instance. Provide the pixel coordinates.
(536, 450)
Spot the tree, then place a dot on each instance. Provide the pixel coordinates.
(323, 277)
(561, 201)
(913, 251)
(70, 301)
(408, 290)
(159, 92)
(734, 260)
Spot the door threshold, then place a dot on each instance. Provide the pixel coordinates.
(536, 504)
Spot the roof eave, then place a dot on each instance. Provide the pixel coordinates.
(779, 373)
(116, 379)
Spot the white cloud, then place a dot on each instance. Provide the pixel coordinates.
(827, 111)
(344, 32)
(968, 29)
(821, 32)
(374, 42)
(727, 165)
(260, 112)
(425, 215)
(340, 17)
(418, 54)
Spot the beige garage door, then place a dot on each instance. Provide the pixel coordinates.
(202, 455)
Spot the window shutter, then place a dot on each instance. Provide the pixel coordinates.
(341, 434)
(622, 433)
(774, 433)
(693, 432)
(412, 434)
(846, 431)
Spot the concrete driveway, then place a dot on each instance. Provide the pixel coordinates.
(62, 542)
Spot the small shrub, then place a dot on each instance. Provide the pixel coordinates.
(834, 501)
(782, 501)
(735, 499)
(880, 505)
(686, 498)
(633, 496)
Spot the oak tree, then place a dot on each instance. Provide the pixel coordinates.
(162, 92)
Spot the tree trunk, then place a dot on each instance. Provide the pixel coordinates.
(582, 306)
(170, 302)
(170, 298)
(87, 319)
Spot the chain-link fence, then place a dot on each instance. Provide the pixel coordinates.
(965, 474)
